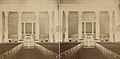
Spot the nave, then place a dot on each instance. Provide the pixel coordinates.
(106, 50)
(69, 50)
(39, 51)
(29, 54)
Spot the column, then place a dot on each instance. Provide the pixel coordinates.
(56, 28)
(6, 26)
(110, 26)
(1, 31)
(92, 27)
(50, 26)
(19, 25)
(37, 25)
(80, 25)
(97, 24)
(85, 28)
(114, 25)
(32, 27)
(24, 24)
(61, 26)
(66, 25)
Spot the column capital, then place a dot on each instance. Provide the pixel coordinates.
(80, 13)
(50, 13)
(20, 13)
(97, 12)
(61, 11)
(55, 11)
(6, 13)
(37, 14)
(110, 12)
(66, 13)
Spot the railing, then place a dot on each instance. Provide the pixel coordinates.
(104, 35)
(12, 53)
(108, 53)
(46, 53)
(72, 53)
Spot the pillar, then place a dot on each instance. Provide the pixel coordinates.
(66, 25)
(24, 24)
(80, 25)
(19, 25)
(6, 26)
(92, 27)
(37, 26)
(61, 26)
(110, 26)
(56, 24)
(115, 38)
(32, 27)
(97, 24)
(85, 28)
(1, 33)
(50, 26)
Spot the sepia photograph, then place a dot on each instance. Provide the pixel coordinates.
(59, 29)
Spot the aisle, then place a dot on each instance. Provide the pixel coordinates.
(29, 54)
(91, 53)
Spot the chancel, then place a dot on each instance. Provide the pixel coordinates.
(89, 21)
(59, 29)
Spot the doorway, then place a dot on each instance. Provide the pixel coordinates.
(28, 33)
(89, 32)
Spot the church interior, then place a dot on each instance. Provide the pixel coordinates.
(59, 29)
